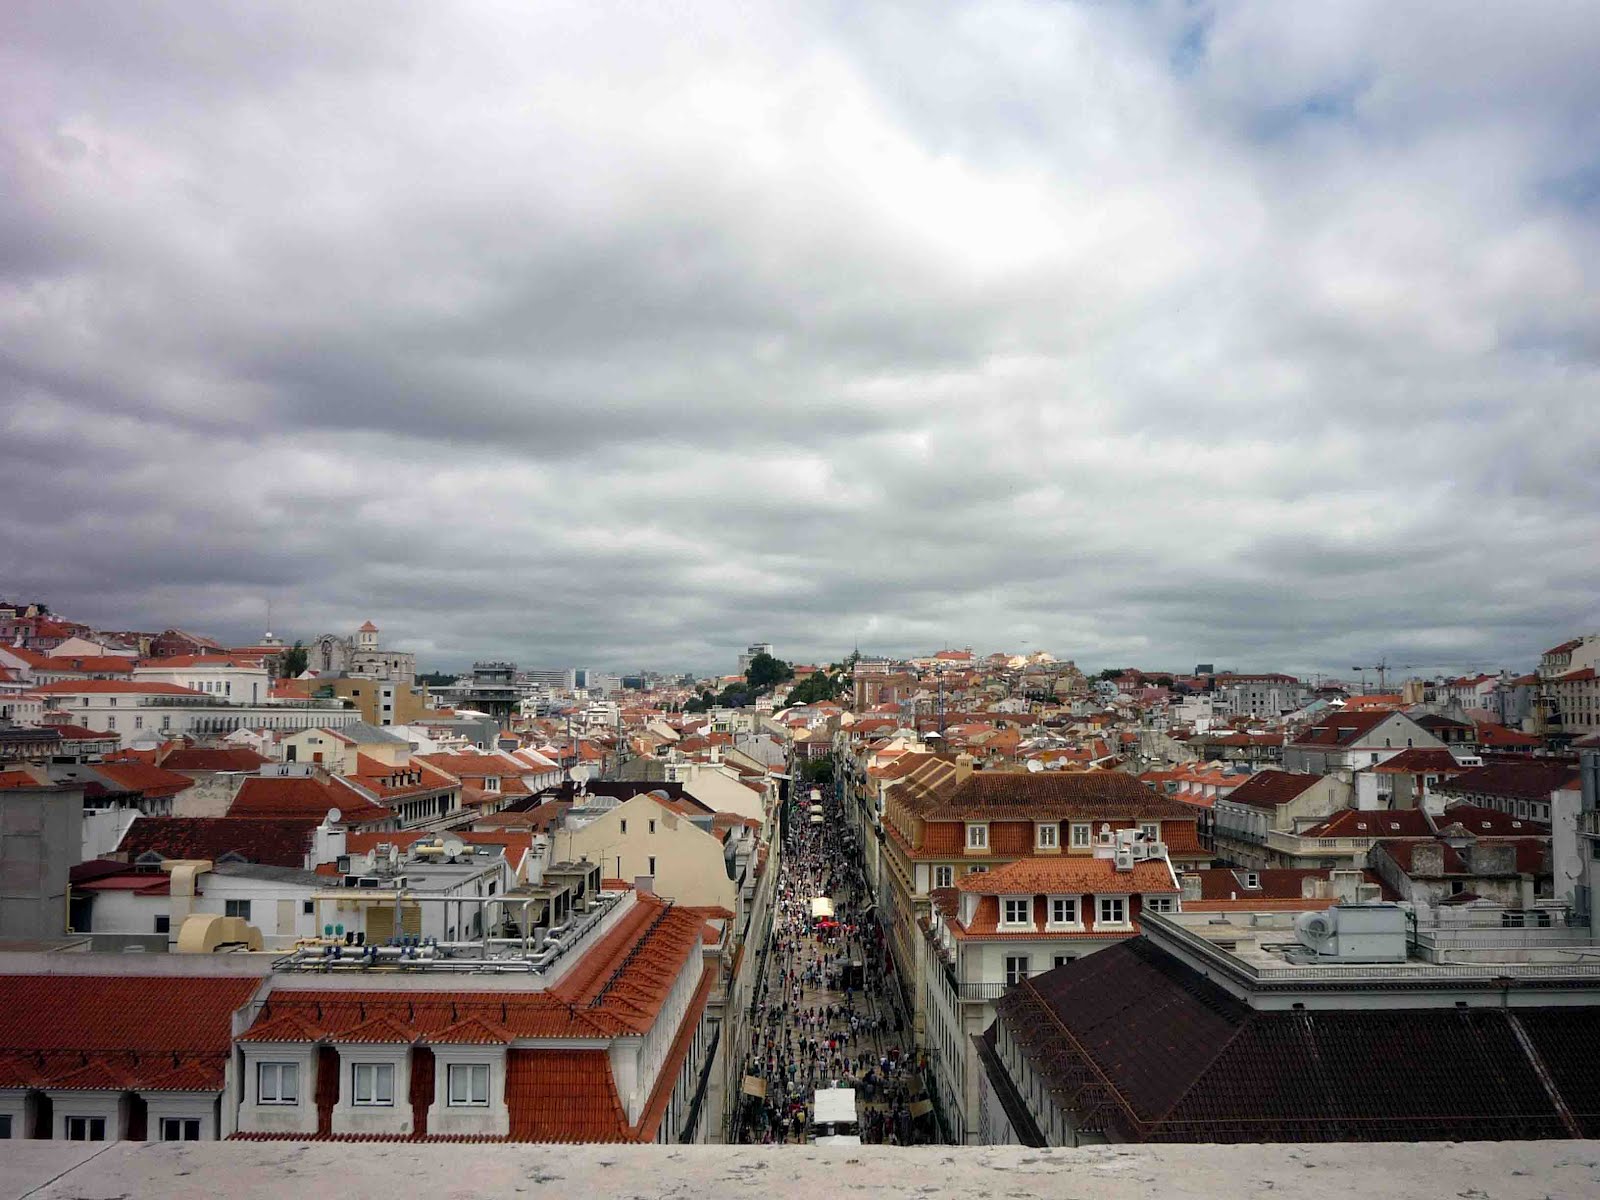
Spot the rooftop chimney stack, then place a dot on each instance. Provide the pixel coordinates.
(964, 765)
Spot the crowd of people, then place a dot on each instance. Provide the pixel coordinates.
(825, 1009)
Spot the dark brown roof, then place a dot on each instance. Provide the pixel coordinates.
(1489, 822)
(1142, 1048)
(199, 758)
(1528, 779)
(273, 842)
(1268, 789)
(1343, 728)
(1023, 795)
(1373, 823)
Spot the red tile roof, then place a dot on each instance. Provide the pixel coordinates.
(153, 782)
(1342, 728)
(118, 1031)
(1269, 789)
(1480, 821)
(563, 1096)
(1529, 779)
(1358, 823)
(17, 779)
(1070, 877)
(274, 842)
(304, 797)
(1417, 760)
(199, 758)
(117, 687)
(88, 662)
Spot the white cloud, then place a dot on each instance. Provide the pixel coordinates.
(623, 335)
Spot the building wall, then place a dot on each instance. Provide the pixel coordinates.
(689, 864)
(41, 834)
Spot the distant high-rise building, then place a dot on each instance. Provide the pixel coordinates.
(751, 651)
(561, 679)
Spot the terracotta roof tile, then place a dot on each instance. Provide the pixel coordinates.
(1069, 877)
(141, 1014)
(564, 1096)
(273, 842)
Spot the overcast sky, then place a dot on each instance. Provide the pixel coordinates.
(1262, 334)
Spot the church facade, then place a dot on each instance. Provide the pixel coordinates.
(361, 655)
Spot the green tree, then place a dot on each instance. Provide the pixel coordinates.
(765, 672)
(813, 689)
(292, 662)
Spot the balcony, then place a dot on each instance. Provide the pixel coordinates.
(1294, 843)
(1589, 823)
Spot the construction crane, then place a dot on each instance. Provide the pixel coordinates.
(1383, 667)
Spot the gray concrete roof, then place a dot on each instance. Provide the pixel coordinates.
(1562, 1170)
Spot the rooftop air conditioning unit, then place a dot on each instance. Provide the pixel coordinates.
(352, 880)
(369, 881)
(1354, 933)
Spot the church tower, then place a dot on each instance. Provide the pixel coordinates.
(367, 638)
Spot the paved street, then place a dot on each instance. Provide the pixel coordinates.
(824, 1017)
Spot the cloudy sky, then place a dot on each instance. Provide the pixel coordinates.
(1261, 333)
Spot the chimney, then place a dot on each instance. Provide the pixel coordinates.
(964, 765)
(1492, 860)
(1190, 882)
(1427, 860)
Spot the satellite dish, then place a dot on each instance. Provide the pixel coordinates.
(580, 773)
(454, 847)
(334, 816)
(1034, 766)
(1575, 866)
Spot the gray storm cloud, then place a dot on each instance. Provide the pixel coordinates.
(621, 334)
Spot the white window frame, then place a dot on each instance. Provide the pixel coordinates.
(1007, 921)
(1072, 921)
(1161, 904)
(1101, 907)
(1151, 830)
(491, 783)
(1016, 974)
(468, 1075)
(1082, 835)
(977, 835)
(277, 1072)
(944, 876)
(369, 1082)
(236, 908)
(1047, 835)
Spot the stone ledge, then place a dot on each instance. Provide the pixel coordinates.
(1335, 1171)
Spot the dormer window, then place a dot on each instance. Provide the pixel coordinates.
(1150, 831)
(1063, 910)
(977, 836)
(1252, 880)
(491, 783)
(1017, 910)
(1047, 835)
(1082, 836)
